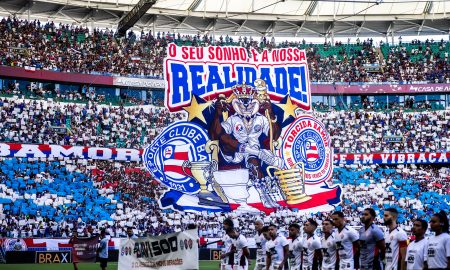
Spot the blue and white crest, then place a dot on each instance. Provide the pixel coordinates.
(178, 143)
(310, 149)
(307, 141)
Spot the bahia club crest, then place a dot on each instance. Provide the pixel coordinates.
(245, 144)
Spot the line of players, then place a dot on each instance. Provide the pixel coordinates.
(341, 246)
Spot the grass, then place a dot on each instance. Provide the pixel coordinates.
(204, 265)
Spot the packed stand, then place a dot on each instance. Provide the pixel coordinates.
(135, 127)
(83, 94)
(418, 61)
(51, 197)
(342, 63)
(47, 191)
(418, 191)
(409, 104)
(46, 122)
(75, 49)
(370, 132)
(69, 48)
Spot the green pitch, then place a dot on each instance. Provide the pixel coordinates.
(204, 265)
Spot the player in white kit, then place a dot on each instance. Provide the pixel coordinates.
(347, 242)
(415, 253)
(395, 239)
(227, 256)
(371, 241)
(240, 250)
(277, 250)
(260, 241)
(311, 255)
(438, 251)
(328, 246)
(295, 247)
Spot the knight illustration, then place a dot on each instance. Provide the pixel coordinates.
(246, 128)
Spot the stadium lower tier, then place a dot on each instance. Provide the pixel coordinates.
(51, 197)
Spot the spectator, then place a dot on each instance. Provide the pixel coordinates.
(72, 48)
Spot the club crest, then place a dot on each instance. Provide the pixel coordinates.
(307, 141)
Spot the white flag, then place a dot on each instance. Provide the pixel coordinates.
(170, 251)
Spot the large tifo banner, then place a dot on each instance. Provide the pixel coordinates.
(171, 251)
(246, 144)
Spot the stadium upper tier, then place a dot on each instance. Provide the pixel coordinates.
(69, 48)
(31, 121)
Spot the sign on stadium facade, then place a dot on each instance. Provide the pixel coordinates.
(386, 88)
(138, 82)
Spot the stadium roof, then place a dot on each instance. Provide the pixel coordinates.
(282, 18)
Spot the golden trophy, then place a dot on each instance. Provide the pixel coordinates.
(202, 172)
(292, 182)
(198, 172)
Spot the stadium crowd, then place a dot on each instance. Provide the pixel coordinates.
(31, 121)
(371, 132)
(51, 197)
(71, 48)
(75, 49)
(54, 197)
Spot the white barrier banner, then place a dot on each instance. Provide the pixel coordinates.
(170, 251)
(65, 151)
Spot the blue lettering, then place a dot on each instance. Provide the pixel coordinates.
(239, 71)
(214, 78)
(228, 83)
(281, 81)
(196, 78)
(250, 75)
(295, 92)
(265, 75)
(303, 88)
(179, 80)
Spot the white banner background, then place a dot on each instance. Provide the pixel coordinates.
(171, 251)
